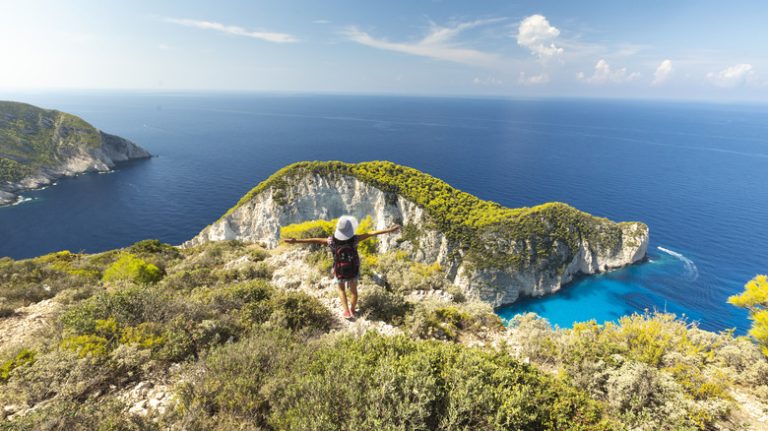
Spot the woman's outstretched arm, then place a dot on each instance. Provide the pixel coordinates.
(306, 240)
(364, 236)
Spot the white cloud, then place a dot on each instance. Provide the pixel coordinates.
(536, 34)
(487, 81)
(733, 76)
(321, 21)
(436, 44)
(539, 79)
(234, 30)
(605, 74)
(663, 72)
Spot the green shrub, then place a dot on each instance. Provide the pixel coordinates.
(189, 279)
(103, 414)
(153, 247)
(131, 268)
(23, 358)
(381, 382)
(183, 339)
(146, 335)
(257, 254)
(755, 299)
(379, 304)
(655, 371)
(87, 345)
(299, 311)
(441, 323)
(230, 390)
(128, 306)
(404, 275)
(309, 229)
(29, 281)
(247, 272)
(235, 296)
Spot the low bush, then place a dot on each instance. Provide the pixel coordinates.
(130, 268)
(228, 392)
(189, 279)
(381, 382)
(105, 414)
(299, 311)
(309, 229)
(379, 304)
(29, 281)
(149, 247)
(755, 299)
(23, 358)
(246, 272)
(655, 371)
(128, 306)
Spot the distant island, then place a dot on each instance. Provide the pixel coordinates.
(38, 146)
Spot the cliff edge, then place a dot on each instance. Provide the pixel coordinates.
(494, 253)
(37, 146)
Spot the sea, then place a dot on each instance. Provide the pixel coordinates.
(696, 173)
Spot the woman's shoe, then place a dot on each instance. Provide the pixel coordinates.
(347, 315)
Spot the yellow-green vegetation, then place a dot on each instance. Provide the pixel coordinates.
(29, 281)
(276, 380)
(309, 229)
(325, 228)
(654, 371)
(755, 299)
(536, 233)
(130, 268)
(404, 275)
(239, 350)
(31, 138)
(24, 357)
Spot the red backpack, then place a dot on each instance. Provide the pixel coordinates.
(346, 261)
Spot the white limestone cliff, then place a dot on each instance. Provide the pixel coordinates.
(326, 196)
(73, 161)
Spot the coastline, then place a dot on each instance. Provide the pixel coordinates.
(10, 194)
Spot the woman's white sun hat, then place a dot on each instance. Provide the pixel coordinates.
(345, 228)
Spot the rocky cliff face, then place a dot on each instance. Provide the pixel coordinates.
(489, 272)
(38, 146)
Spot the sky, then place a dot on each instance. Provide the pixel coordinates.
(658, 49)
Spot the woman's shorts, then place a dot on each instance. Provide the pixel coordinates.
(342, 280)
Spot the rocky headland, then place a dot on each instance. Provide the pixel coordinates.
(497, 254)
(38, 146)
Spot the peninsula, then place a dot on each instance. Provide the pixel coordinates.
(38, 146)
(495, 253)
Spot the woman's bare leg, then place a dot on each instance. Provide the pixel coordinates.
(352, 284)
(343, 296)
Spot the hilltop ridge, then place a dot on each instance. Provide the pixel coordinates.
(490, 251)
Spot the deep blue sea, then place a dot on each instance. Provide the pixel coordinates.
(697, 174)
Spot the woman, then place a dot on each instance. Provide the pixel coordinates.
(346, 260)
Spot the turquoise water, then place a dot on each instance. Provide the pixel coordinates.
(695, 173)
(606, 297)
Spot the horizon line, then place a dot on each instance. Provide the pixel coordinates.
(145, 90)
